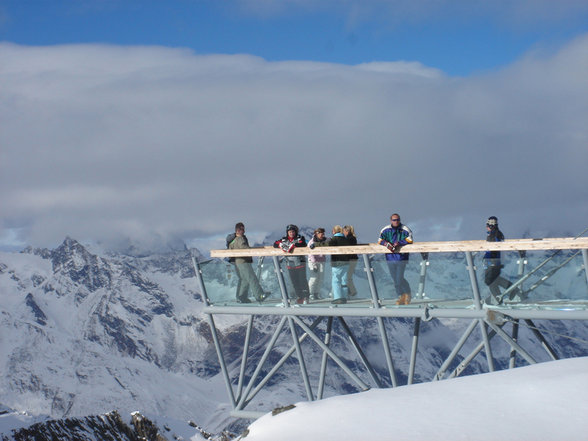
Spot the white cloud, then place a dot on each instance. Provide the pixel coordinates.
(102, 141)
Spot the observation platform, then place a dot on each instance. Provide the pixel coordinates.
(549, 282)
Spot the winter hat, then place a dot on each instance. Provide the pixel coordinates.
(292, 227)
(492, 221)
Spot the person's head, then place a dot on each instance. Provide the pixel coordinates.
(395, 220)
(319, 232)
(337, 229)
(348, 230)
(239, 228)
(292, 230)
(492, 223)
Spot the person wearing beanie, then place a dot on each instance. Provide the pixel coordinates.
(296, 265)
(248, 281)
(492, 263)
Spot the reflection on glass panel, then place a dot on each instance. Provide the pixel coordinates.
(224, 285)
(439, 280)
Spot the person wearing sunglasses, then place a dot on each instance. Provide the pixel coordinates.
(393, 237)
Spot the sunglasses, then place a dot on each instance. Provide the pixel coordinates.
(395, 220)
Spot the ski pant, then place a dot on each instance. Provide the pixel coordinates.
(298, 278)
(396, 268)
(350, 285)
(493, 280)
(248, 282)
(338, 277)
(317, 275)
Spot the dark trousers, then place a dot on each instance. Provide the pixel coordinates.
(493, 280)
(396, 268)
(298, 278)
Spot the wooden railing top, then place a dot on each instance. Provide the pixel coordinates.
(566, 243)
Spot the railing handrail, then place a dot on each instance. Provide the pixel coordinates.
(565, 243)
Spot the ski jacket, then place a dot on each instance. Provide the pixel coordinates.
(316, 242)
(339, 240)
(352, 241)
(240, 243)
(288, 246)
(401, 235)
(494, 235)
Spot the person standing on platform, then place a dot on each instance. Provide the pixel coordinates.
(393, 237)
(296, 265)
(339, 266)
(349, 233)
(316, 264)
(248, 281)
(492, 263)
(229, 239)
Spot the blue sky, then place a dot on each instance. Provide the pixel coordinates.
(172, 120)
(457, 37)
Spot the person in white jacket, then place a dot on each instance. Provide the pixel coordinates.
(316, 264)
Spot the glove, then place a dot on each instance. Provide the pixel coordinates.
(391, 246)
(286, 248)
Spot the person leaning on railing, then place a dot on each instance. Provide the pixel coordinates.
(339, 266)
(296, 265)
(393, 237)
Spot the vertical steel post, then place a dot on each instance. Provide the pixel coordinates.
(515, 337)
(513, 344)
(413, 350)
(359, 351)
(301, 363)
(215, 339)
(281, 282)
(478, 305)
(585, 256)
(324, 359)
(264, 357)
(377, 305)
(279, 364)
(334, 356)
(245, 356)
(455, 350)
(541, 339)
(423, 276)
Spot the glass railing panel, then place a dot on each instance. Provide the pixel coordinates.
(447, 283)
(221, 280)
(439, 279)
(555, 277)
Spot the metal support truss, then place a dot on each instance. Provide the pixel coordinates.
(318, 331)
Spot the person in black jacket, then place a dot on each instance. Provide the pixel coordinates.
(492, 262)
(296, 265)
(349, 233)
(339, 266)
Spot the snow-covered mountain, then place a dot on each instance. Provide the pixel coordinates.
(88, 333)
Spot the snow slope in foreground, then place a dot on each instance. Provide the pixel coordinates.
(546, 401)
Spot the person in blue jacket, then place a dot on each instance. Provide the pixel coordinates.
(393, 237)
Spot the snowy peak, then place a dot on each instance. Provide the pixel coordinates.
(72, 260)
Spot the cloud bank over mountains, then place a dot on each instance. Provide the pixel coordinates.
(104, 142)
